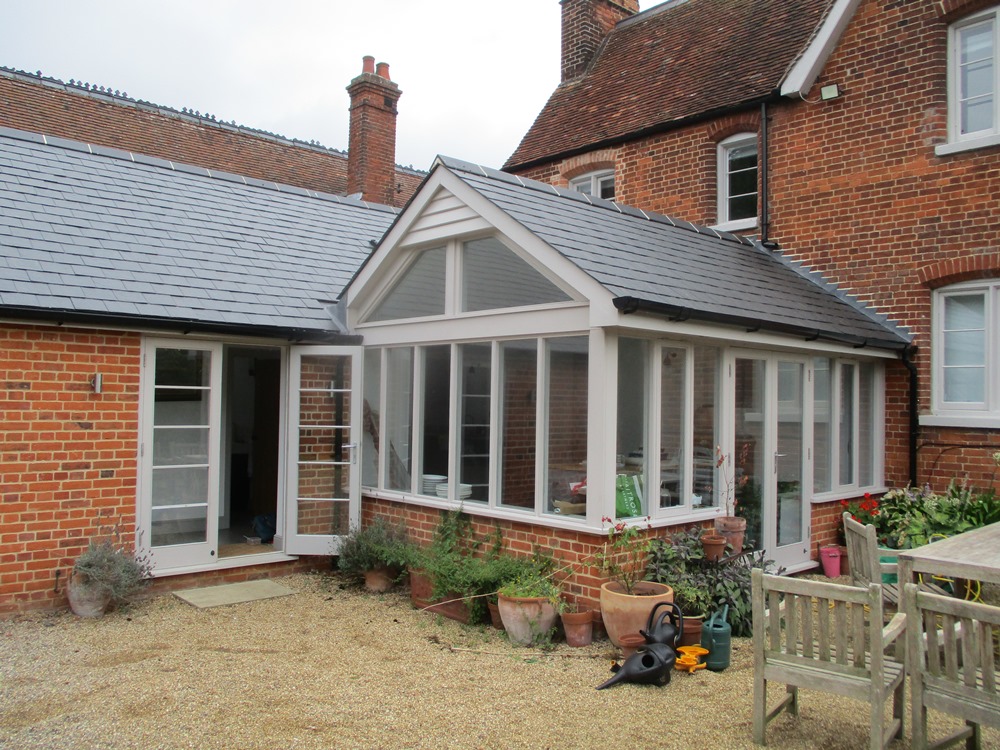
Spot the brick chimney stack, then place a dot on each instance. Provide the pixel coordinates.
(585, 23)
(371, 150)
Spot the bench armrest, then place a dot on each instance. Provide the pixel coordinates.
(894, 629)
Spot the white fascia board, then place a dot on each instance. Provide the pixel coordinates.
(403, 222)
(806, 70)
(548, 260)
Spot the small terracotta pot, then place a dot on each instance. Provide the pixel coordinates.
(691, 635)
(714, 546)
(629, 642)
(85, 598)
(579, 628)
(495, 619)
(600, 631)
(734, 529)
(380, 579)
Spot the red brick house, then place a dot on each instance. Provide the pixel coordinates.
(861, 137)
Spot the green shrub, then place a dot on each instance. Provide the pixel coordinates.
(112, 566)
(380, 544)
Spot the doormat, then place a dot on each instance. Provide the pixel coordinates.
(233, 593)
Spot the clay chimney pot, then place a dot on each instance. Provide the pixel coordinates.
(368, 64)
(383, 70)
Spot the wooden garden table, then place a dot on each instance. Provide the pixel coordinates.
(973, 555)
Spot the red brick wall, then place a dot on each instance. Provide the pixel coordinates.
(585, 23)
(67, 454)
(39, 108)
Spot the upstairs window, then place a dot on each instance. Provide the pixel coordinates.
(737, 188)
(973, 82)
(599, 184)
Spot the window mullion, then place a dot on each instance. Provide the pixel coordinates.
(541, 424)
(493, 471)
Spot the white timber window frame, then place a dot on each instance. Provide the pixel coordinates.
(973, 82)
(600, 184)
(729, 217)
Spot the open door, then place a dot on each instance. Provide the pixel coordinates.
(323, 480)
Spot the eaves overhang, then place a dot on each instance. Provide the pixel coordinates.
(177, 325)
(680, 313)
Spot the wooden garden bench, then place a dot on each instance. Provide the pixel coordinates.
(951, 659)
(829, 637)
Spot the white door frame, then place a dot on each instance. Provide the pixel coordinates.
(321, 544)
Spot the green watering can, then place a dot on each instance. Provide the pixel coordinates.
(716, 634)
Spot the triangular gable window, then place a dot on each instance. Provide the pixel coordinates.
(420, 291)
(494, 277)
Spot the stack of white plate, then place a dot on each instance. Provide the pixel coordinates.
(431, 482)
(442, 490)
(464, 491)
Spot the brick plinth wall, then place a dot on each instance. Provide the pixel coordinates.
(573, 551)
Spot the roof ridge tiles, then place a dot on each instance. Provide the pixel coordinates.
(123, 99)
(152, 161)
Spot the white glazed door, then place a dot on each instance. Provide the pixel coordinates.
(179, 485)
(323, 497)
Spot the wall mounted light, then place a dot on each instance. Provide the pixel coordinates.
(829, 92)
(96, 382)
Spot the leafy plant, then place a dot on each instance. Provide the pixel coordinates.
(623, 556)
(701, 585)
(534, 584)
(380, 544)
(113, 566)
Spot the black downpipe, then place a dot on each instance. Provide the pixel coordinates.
(907, 358)
(764, 216)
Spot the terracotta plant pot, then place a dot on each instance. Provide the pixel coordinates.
(734, 529)
(380, 579)
(714, 546)
(629, 613)
(691, 635)
(579, 628)
(630, 642)
(527, 620)
(600, 631)
(87, 599)
(451, 606)
(495, 619)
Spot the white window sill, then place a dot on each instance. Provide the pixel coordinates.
(956, 147)
(735, 226)
(971, 420)
(846, 493)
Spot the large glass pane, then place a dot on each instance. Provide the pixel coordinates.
(788, 459)
(518, 383)
(847, 403)
(474, 439)
(566, 421)
(743, 473)
(866, 424)
(631, 460)
(493, 276)
(399, 419)
(822, 425)
(977, 77)
(706, 490)
(963, 312)
(419, 293)
(964, 334)
(741, 182)
(180, 460)
(437, 411)
(965, 385)
(370, 418)
(673, 421)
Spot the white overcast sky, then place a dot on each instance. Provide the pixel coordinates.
(474, 73)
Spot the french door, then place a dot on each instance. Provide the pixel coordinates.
(770, 455)
(323, 497)
(179, 485)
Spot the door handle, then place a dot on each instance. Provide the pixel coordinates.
(352, 447)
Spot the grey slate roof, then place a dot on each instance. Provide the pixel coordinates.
(87, 232)
(661, 265)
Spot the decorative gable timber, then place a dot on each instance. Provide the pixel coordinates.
(806, 69)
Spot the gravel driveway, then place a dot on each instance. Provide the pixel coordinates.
(333, 667)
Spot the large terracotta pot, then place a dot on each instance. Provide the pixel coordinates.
(628, 613)
(734, 529)
(527, 619)
(85, 598)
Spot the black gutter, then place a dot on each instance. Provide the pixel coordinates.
(176, 325)
(908, 363)
(661, 127)
(765, 219)
(677, 313)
